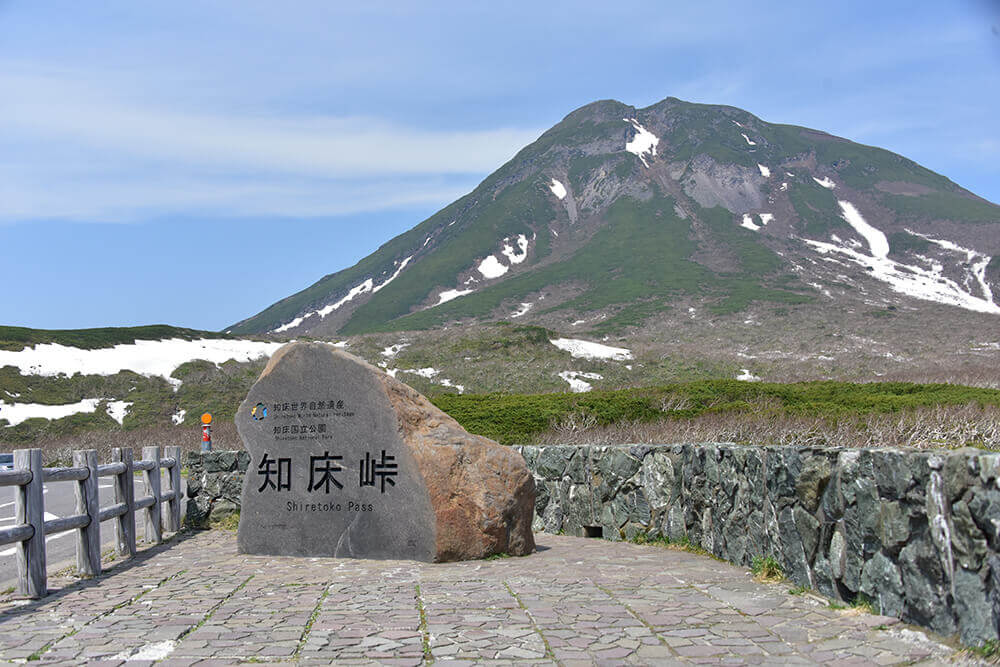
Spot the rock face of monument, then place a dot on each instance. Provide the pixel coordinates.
(349, 462)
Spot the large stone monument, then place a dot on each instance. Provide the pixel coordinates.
(348, 462)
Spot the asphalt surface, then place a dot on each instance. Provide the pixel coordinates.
(60, 501)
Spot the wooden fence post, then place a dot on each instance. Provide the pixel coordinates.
(154, 532)
(88, 538)
(29, 509)
(173, 522)
(125, 493)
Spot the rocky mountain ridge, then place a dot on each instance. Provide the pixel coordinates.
(618, 215)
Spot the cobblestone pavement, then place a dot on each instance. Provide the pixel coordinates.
(576, 601)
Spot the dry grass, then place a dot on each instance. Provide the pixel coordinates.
(59, 451)
(924, 428)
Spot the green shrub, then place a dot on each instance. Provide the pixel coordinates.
(767, 569)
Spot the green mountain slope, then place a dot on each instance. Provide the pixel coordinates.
(625, 213)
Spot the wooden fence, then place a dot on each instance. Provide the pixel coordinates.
(30, 527)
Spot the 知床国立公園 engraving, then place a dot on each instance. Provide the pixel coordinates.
(348, 462)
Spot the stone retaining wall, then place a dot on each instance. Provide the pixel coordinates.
(916, 533)
(214, 486)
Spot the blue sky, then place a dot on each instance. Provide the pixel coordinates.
(191, 163)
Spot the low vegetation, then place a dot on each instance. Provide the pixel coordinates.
(154, 403)
(17, 338)
(59, 450)
(767, 569)
(834, 414)
(682, 544)
(989, 650)
(815, 413)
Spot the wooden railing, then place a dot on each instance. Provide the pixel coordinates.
(30, 527)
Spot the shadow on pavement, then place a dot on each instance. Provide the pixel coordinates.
(73, 583)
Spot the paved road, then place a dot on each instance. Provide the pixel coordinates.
(575, 601)
(60, 501)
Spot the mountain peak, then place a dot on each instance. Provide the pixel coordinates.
(616, 215)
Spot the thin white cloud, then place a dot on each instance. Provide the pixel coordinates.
(71, 151)
(322, 146)
(97, 199)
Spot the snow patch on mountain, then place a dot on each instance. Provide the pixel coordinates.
(928, 284)
(291, 325)
(747, 376)
(826, 183)
(516, 256)
(558, 189)
(361, 288)
(976, 259)
(428, 372)
(820, 288)
(15, 413)
(766, 218)
(492, 268)
(402, 265)
(145, 357)
(576, 385)
(764, 171)
(178, 417)
(367, 285)
(448, 295)
(393, 350)
(445, 382)
(117, 410)
(749, 223)
(585, 349)
(644, 142)
(525, 307)
(784, 186)
(749, 143)
(877, 241)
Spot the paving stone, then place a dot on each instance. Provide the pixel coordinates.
(198, 602)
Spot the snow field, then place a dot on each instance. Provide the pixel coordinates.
(525, 307)
(518, 255)
(145, 357)
(428, 373)
(877, 241)
(558, 189)
(749, 223)
(448, 295)
(15, 413)
(585, 349)
(367, 285)
(928, 284)
(393, 350)
(643, 143)
(492, 268)
(576, 385)
(978, 260)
